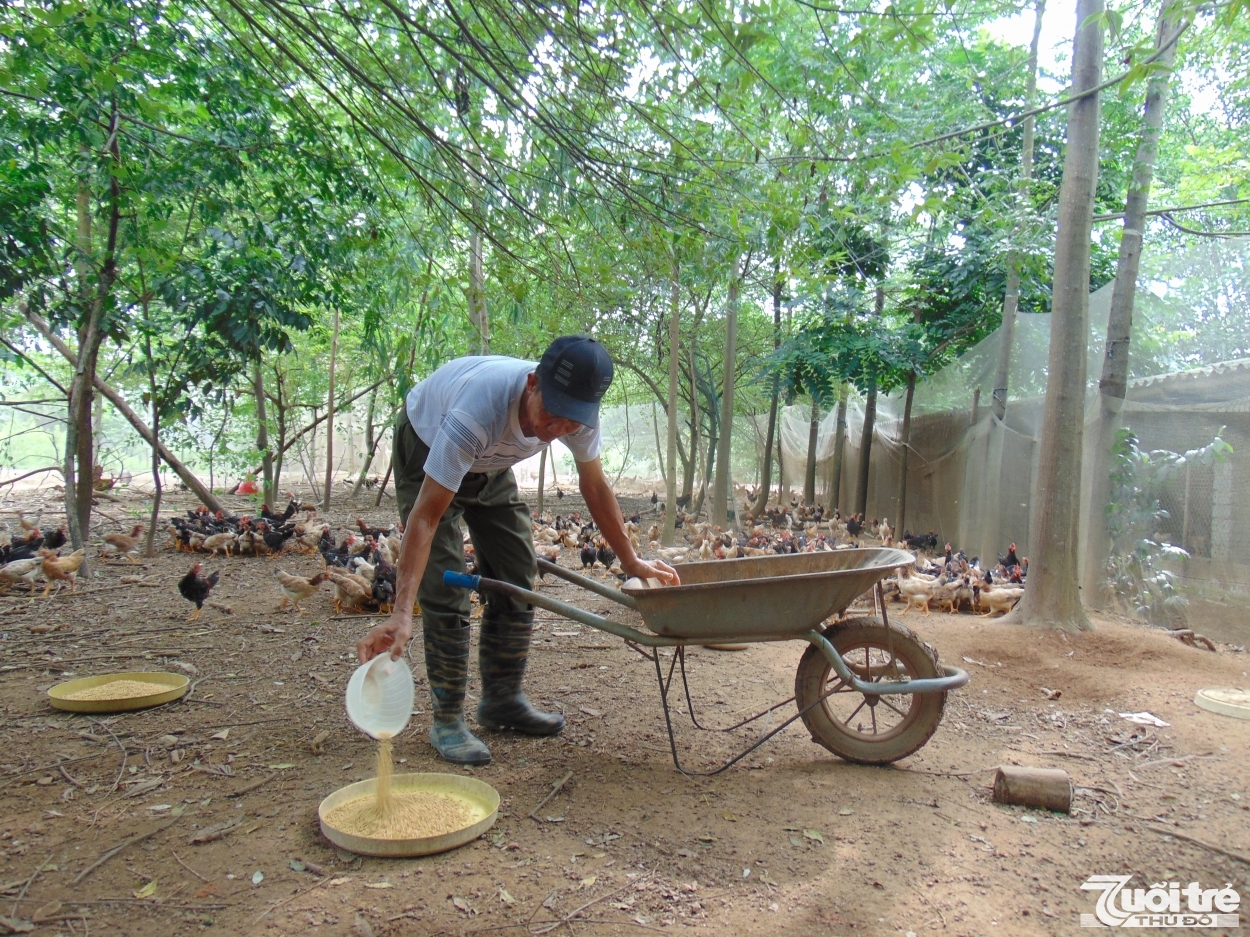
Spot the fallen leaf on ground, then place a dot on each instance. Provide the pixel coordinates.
(147, 891)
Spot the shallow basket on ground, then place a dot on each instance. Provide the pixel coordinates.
(868, 691)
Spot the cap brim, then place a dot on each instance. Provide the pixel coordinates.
(559, 403)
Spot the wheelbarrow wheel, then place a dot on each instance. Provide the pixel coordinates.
(863, 728)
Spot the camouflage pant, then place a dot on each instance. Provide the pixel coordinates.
(498, 522)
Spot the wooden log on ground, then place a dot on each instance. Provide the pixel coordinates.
(1047, 788)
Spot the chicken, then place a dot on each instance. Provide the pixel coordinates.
(548, 552)
(195, 588)
(60, 568)
(604, 554)
(275, 540)
(20, 571)
(225, 542)
(349, 590)
(705, 550)
(588, 555)
(296, 588)
(126, 545)
(29, 525)
(56, 539)
(1002, 599)
(915, 590)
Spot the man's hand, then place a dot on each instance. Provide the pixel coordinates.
(656, 569)
(393, 635)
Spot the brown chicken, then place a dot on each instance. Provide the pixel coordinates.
(59, 568)
(349, 589)
(126, 545)
(296, 588)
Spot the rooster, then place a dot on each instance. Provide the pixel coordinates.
(59, 568)
(126, 545)
(296, 588)
(588, 555)
(195, 588)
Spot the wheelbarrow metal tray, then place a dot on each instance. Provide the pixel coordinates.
(789, 594)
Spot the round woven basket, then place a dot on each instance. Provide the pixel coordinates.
(481, 799)
(166, 687)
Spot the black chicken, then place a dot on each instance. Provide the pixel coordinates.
(384, 594)
(587, 554)
(282, 518)
(605, 556)
(275, 540)
(23, 549)
(56, 539)
(1010, 559)
(195, 588)
(855, 525)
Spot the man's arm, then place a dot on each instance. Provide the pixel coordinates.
(607, 514)
(414, 553)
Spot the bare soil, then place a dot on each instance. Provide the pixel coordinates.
(790, 841)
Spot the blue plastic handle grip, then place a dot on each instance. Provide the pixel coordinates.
(460, 580)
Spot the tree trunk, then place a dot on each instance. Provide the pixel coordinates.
(870, 419)
(1011, 296)
(722, 494)
(542, 479)
(659, 450)
(477, 293)
(371, 445)
(687, 482)
(674, 350)
(154, 520)
(709, 464)
(901, 520)
(813, 437)
(334, 353)
(280, 400)
(1053, 597)
(262, 432)
(79, 442)
(839, 449)
(766, 476)
(1114, 381)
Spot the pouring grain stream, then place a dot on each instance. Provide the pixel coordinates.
(399, 814)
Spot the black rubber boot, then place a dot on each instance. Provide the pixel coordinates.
(503, 648)
(447, 666)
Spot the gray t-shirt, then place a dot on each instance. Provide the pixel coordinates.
(466, 412)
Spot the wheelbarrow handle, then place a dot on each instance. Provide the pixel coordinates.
(460, 580)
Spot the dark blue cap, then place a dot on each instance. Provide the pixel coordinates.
(573, 375)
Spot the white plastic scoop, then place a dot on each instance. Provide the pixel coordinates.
(380, 696)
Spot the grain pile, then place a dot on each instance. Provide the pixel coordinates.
(118, 689)
(399, 814)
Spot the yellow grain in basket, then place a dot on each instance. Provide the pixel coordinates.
(119, 689)
(399, 814)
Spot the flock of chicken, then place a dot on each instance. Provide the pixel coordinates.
(955, 582)
(952, 582)
(361, 568)
(31, 553)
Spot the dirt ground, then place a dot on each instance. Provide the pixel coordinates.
(97, 814)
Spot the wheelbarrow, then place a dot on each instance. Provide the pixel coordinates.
(868, 691)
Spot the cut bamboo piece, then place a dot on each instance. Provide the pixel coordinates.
(1047, 788)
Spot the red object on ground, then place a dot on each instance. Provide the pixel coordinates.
(248, 488)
